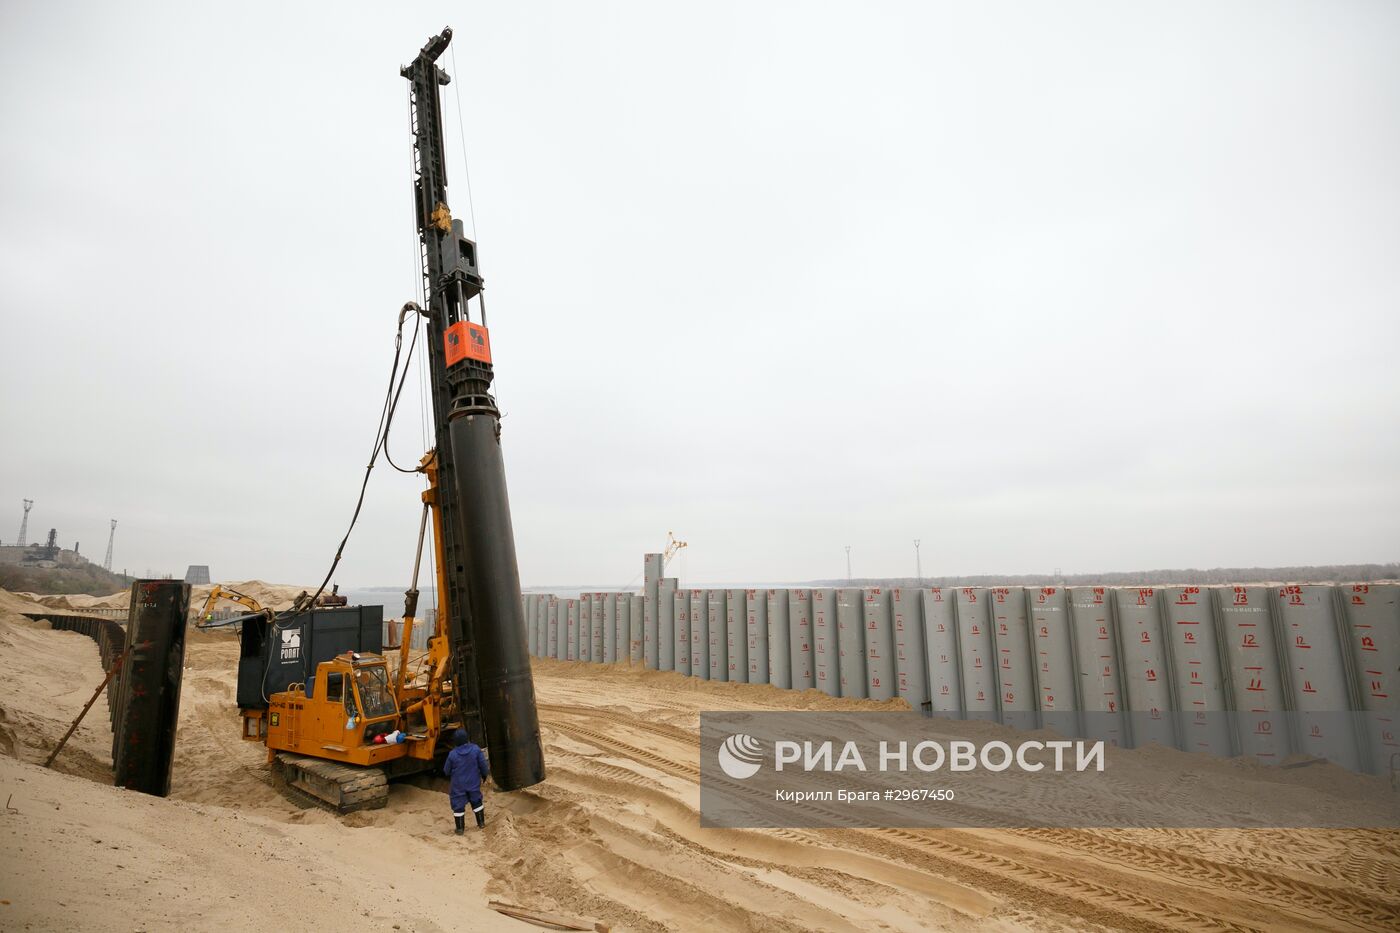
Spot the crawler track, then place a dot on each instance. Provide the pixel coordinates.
(342, 788)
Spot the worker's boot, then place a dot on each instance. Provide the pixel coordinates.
(481, 817)
(462, 823)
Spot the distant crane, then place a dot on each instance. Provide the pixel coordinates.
(673, 547)
(107, 561)
(24, 525)
(918, 564)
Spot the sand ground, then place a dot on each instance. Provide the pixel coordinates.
(612, 834)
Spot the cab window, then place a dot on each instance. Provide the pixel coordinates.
(336, 692)
(375, 698)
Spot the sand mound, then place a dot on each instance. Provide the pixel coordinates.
(18, 603)
(276, 596)
(84, 856)
(80, 601)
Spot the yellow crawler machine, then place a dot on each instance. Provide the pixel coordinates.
(340, 736)
(324, 742)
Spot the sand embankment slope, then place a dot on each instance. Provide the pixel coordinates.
(18, 603)
(81, 854)
(277, 596)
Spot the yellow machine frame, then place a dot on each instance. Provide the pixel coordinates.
(320, 725)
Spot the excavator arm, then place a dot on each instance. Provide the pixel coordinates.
(205, 618)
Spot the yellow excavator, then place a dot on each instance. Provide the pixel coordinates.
(205, 619)
(302, 602)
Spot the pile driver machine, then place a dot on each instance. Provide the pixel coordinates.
(349, 723)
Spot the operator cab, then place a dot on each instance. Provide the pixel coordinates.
(360, 685)
(347, 712)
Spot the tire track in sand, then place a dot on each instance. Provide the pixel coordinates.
(1315, 902)
(1079, 896)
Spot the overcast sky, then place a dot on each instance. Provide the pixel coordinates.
(1090, 286)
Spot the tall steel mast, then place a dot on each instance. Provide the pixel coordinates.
(491, 676)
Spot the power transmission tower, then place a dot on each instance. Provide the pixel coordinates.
(24, 525)
(918, 564)
(848, 563)
(107, 561)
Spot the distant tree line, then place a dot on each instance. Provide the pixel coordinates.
(50, 581)
(1331, 573)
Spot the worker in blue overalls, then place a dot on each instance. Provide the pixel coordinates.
(466, 767)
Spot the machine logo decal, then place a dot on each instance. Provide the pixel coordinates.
(291, 644)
